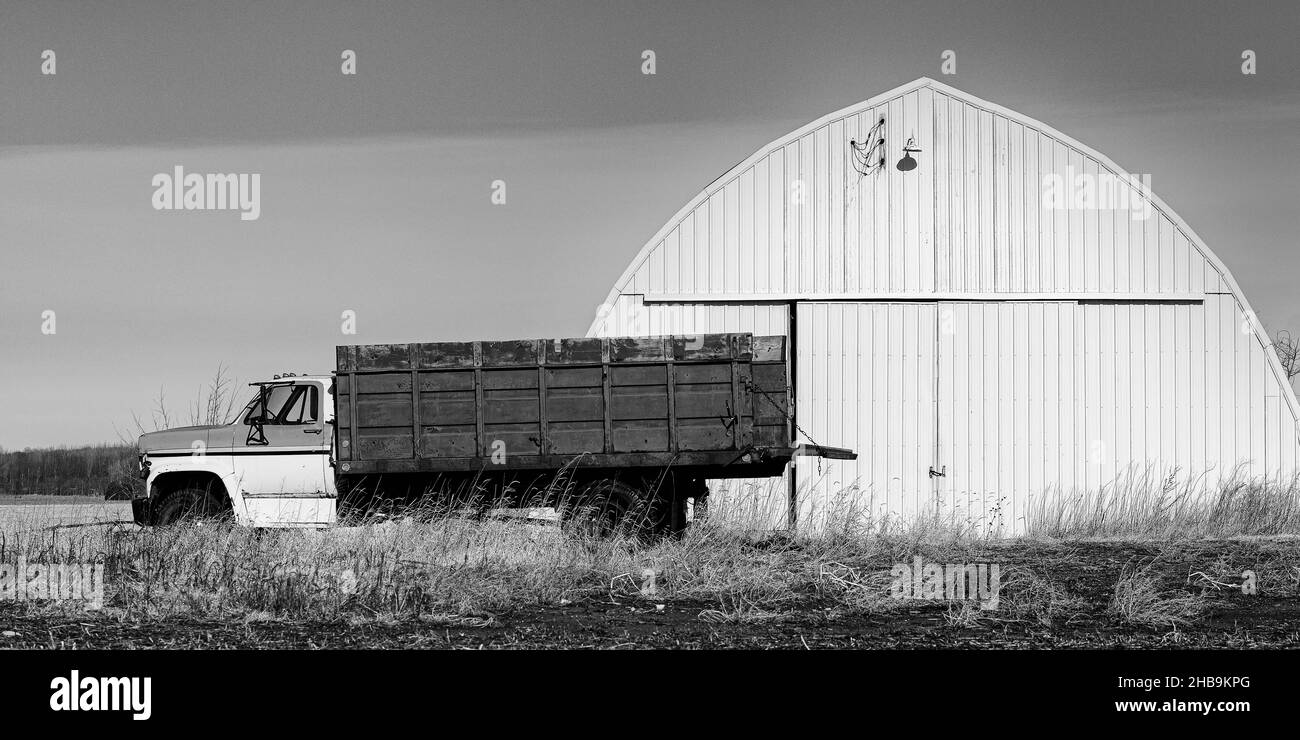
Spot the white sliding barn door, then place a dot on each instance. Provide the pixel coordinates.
(1011, 422)
(1048, 398)
(865, 379)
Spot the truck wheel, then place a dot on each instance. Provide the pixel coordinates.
(604, 507)
(191, 504)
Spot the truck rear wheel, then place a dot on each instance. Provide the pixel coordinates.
(191, 505)
(604, 507)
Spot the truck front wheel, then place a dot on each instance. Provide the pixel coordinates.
(191, 504)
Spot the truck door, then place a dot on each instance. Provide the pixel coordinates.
(282, 465)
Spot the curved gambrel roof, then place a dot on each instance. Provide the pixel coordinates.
(622, 285)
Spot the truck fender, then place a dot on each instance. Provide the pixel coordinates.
(163, 481)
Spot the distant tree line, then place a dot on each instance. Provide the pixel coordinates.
(68, 471)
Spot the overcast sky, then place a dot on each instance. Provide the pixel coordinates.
(375, 188)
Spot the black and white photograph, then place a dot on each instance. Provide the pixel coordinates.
(675, 351)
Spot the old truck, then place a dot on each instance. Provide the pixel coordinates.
(604, 431)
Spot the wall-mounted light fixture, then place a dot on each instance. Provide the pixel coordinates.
(907, 164)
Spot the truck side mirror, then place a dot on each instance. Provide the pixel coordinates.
(256, 434)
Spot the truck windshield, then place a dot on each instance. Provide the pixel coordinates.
(286, 404)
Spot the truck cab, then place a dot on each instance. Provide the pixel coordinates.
(269, 466)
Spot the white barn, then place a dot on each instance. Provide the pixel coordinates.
(959, 318)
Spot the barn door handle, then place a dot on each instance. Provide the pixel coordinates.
(939, 473)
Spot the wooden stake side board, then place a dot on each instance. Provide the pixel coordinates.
(544, 403)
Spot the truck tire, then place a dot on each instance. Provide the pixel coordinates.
(193, 505)
(604, 507)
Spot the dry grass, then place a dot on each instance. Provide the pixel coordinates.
(436, 564)
(417, 564)
(1025, 596)
(1139, 599)
(1144, 503)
